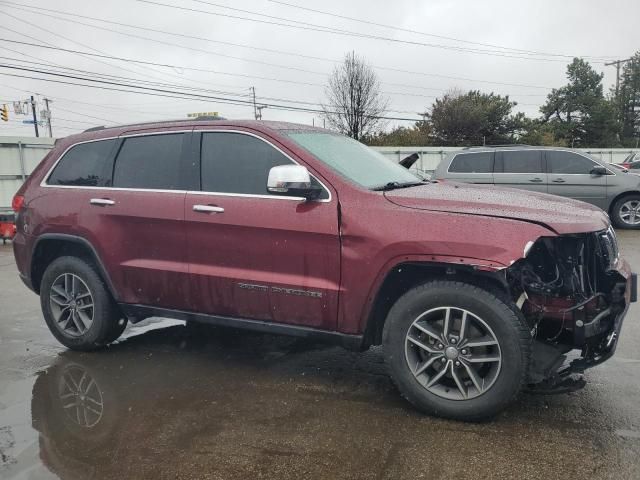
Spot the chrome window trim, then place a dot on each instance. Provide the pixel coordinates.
(251, 195)
(45, 179)
(44, 183)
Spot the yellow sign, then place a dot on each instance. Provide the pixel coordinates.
(202, 114)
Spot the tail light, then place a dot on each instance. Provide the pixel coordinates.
(17, 203)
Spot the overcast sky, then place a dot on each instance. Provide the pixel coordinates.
(486, 45)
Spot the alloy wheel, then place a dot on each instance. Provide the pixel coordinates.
(453, 353)
(71, 304)
(630, 212)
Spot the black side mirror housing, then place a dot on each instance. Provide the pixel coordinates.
(598, 171)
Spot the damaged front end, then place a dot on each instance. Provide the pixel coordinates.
(574, 291)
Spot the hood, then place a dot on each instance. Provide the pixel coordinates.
(559, 214)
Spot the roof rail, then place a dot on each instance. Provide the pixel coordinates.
(201, 118)
(504, 145)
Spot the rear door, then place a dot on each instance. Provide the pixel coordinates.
(253, 254)
(472, 167)
(522, 169)
(570, 176)
(138, 221)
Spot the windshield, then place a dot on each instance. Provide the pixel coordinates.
(353, 160)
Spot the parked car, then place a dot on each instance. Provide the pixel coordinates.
(632, 161)
(474, 292)
(7, 226)
(558, 171)
(618, 166)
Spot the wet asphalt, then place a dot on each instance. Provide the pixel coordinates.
(170, 401)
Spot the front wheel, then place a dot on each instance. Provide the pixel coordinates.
(456, 351)
(77, 305)
(625, 213)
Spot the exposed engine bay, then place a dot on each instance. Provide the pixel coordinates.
(572, 298)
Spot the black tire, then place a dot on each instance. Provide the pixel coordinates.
(616, 217)
(108, 323)
(507, 324)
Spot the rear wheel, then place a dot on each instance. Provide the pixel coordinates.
(625, 212)
(77, 305)
(456, 350)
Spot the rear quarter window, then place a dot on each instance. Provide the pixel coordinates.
(84, 165)
(477, 162)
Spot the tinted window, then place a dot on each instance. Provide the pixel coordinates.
(480, 162)
(569, 163)
(83, 165)
(635, 165)
(237, 163)
(149, 162)
(522, 161)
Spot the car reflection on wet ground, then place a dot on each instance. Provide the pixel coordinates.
(170, 401)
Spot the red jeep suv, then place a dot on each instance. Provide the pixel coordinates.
(474, 292)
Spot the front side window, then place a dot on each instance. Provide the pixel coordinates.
(521, 161)
(569, 163)
(83, 165)
(237, 163)
(477, 162)
(151, 162)
(352, 159)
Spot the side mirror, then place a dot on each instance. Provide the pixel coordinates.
(292, 180)
(598, 171)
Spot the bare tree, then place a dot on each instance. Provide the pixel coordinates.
(355, 103)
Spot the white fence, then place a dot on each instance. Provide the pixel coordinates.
(20, 155)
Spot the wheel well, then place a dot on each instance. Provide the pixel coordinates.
(618, 197)
(47, 250)
(404, 277)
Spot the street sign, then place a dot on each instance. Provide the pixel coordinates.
(18, 108)
(28, 121)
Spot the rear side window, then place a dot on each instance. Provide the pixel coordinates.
(149, 162)
(569, 163)
(479, 162)
(521, 161)
(84, 165)
(237, 163)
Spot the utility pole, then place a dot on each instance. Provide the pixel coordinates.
(255, 109)
(46, 102)
(260, 108)
(35, 119)
(617, 63)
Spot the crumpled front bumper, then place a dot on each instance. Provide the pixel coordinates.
(608, 348)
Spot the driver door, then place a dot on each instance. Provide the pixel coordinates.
(254, 255)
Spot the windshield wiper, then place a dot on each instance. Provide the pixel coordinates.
(395, 185)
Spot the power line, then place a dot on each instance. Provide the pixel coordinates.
(137, 27)
(321, 28)
(359, 20)
(145, 62)
(119, 78)
(164, 92)
(67, 39)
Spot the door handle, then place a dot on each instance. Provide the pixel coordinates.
(207, 209)
(536, 180)
(558, 180)
(102, 202)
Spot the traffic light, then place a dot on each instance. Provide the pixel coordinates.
(4, 113)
